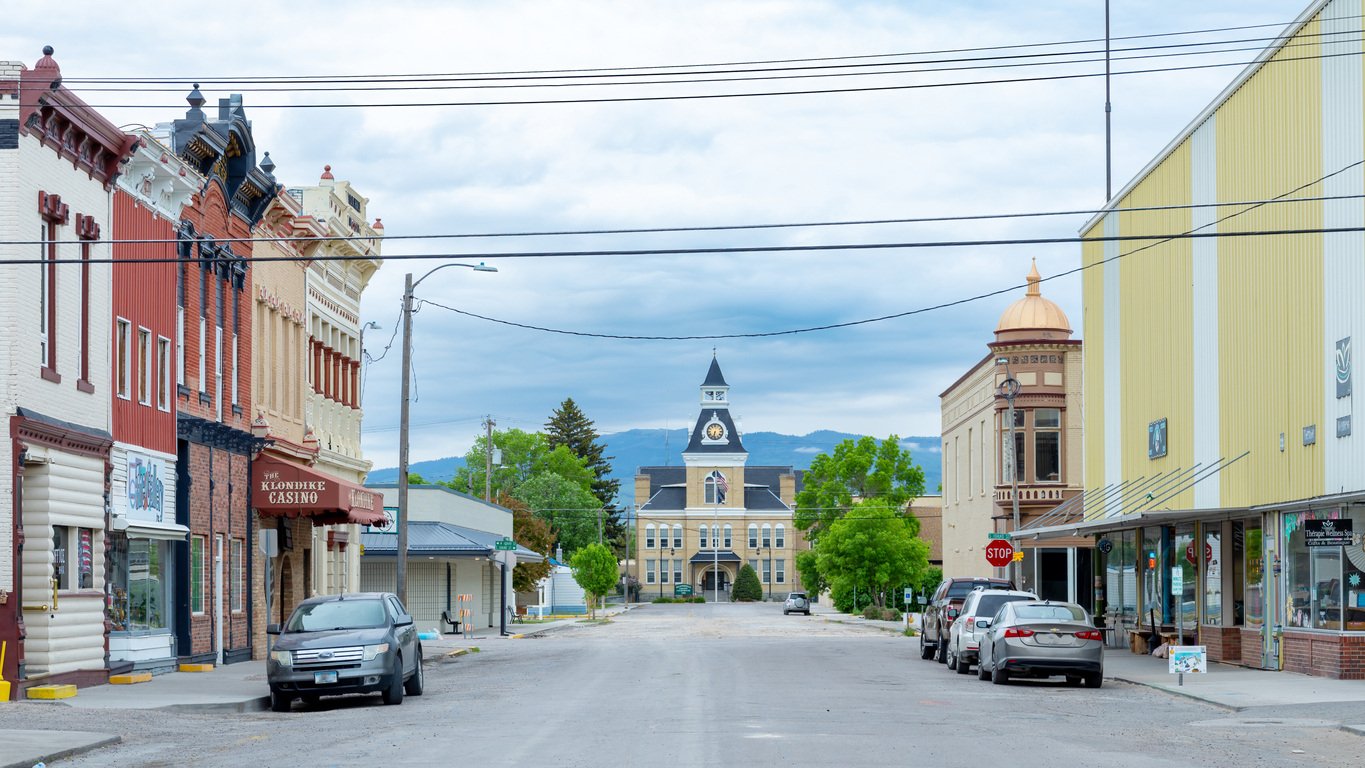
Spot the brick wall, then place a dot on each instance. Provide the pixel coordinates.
(1325, 655)
(218, 501)
(1251, 648)
(1224, 643)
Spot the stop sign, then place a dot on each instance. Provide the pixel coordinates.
(999, 553)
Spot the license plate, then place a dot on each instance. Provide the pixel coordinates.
(1049, 639)
(330, 676)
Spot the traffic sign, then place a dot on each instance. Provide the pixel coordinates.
(998, 553)
(1001, 536)
(682, 590)
(506, 544)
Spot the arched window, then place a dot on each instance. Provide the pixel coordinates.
(649, 536)
(728, 532)
(701, 540)
(717, 487)
(677, 537)
(753, 535)
(780, 537)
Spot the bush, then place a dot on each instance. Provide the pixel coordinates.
(696, 599)
(881, 614)
(663, 600)
(747, 586)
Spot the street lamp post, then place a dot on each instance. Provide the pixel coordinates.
(767, 573)
(1009, 389)
(363, 364)
(402, 520)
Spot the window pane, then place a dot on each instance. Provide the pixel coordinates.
(1019, 456)
(1183, 552)
(701, 540)
(1047, 456)
(1213, 576)
(753, 536)
(649, 537)
(677, 537)
(649, 571)
(60, 557)
(677, 571)
(1150, 560)
(144, 366)
(121, 358)
(780, 539)
(1044, 418)
(728, 533)
(781, 571)
(118, 582)
(1326, 603)
(767, 535)
(197, 574)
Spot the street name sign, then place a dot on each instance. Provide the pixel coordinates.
(1000, 536)
(505, 544)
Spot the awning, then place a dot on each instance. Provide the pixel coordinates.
(1125, 522)
(723, 556)
(146, 529)
(283, 489)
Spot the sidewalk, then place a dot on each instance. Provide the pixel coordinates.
(230, 688)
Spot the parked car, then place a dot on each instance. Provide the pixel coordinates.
(353, 643)
(964, 635)
(797, 602)
(1042, 638)
(944, 606)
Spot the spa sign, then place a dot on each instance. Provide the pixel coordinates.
(1328, 533)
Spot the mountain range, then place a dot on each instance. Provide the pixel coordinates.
(635, 448)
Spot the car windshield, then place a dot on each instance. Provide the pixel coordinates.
(1050, 612)
(337, 614)
(987, 605)
(964, 588)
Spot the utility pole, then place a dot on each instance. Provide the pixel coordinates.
(488, 460)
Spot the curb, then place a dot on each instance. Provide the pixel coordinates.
(68, 752)
(1182, 694)
(259, 704)
(858, 624)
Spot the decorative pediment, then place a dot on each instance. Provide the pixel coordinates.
(159, 179)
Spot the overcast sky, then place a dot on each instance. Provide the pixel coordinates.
(854, 155)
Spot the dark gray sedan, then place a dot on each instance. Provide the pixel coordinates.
(354, 643)
(1042, 638)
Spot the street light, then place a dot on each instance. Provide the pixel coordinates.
(364, 366)
(767, 573)
(1009, 389)
(664, 565)
(402, 520)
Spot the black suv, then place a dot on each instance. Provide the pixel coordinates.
(944, 606)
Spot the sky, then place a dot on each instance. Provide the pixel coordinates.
(883, 151)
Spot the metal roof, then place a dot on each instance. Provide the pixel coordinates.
(432, 538)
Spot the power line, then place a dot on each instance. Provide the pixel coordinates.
(699, 228)
(388, 76)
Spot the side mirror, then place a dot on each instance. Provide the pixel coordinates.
(983, 623)
(404, 620)
(272, 629)
(952, 613)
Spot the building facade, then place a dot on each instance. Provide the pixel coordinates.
(698, 524)
(1225, 480)
(1033, 345)
(59, 160)
(144, 538)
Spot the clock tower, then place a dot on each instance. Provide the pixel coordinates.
(714, 447)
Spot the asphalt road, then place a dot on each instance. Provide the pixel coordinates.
(710, 685)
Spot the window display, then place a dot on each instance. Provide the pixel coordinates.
(137, 601)
(1213, 574)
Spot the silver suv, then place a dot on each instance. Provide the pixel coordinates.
(966, 631)
(354, 643)
(797, 602)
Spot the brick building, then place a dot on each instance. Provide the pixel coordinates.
(58, 162)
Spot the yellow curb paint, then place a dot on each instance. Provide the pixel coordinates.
(51, 692)
(196, 667)
(517, 637)
(130, 678)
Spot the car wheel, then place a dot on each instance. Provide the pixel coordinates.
(942, 649)
(925, 650)
(784, 613)
(1094, 680)
(418, 681)
(807, 611)
(963, 668)
(1000, 677)
(982, 673)
(309, 699)
(394, 693)
(279, 701)
(1073, 680)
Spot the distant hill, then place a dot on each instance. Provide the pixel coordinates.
(637, 448)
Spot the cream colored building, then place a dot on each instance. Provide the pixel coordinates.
(699, 523)
(1033, 344)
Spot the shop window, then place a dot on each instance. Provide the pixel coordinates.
(139, 584)
(1253, 575)
(238, 571)
(1047, 445)
(1124, 562)
(1327, 593)
(197, 574)
(1353, 584)
(1213, 575)
(1314, 576)
(1184, 576)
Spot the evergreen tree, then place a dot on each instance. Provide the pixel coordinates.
(747, 585)
(570, 427)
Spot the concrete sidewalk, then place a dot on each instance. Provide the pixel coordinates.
(227, 689)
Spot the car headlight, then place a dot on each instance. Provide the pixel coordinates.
(283, 658)
(372, 651)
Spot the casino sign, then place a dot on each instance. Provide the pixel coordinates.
(283, 489)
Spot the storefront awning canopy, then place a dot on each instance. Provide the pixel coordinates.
(283, 489)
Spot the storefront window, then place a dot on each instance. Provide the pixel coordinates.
(1326, 587)
(1150, 561)
(1354, 571)
(1253, 590)
(138, 596)
(1213, 574)
(1314, 575)
(1125, 548)
(1185, 575)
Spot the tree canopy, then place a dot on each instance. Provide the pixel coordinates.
(569, 508)
(595, 570)
(524, 455)
(857, 471)
(570, 428)
(533, 533)
(873, 550)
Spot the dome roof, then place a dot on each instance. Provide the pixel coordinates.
(1033, 312)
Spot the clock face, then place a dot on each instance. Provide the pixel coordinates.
(715, 431)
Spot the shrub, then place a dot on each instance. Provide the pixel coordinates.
(696, 599)
(663, 600)
(872, 612)
(747, 586)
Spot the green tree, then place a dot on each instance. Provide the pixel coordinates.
(416, 479)
(595, 570)
(524, 455)
(747, 586)
(569, 508)
(872, 550)
(534, 534)
(808, 568)
(858, 471)
(570, 428)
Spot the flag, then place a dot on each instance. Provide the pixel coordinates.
(723, 485)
